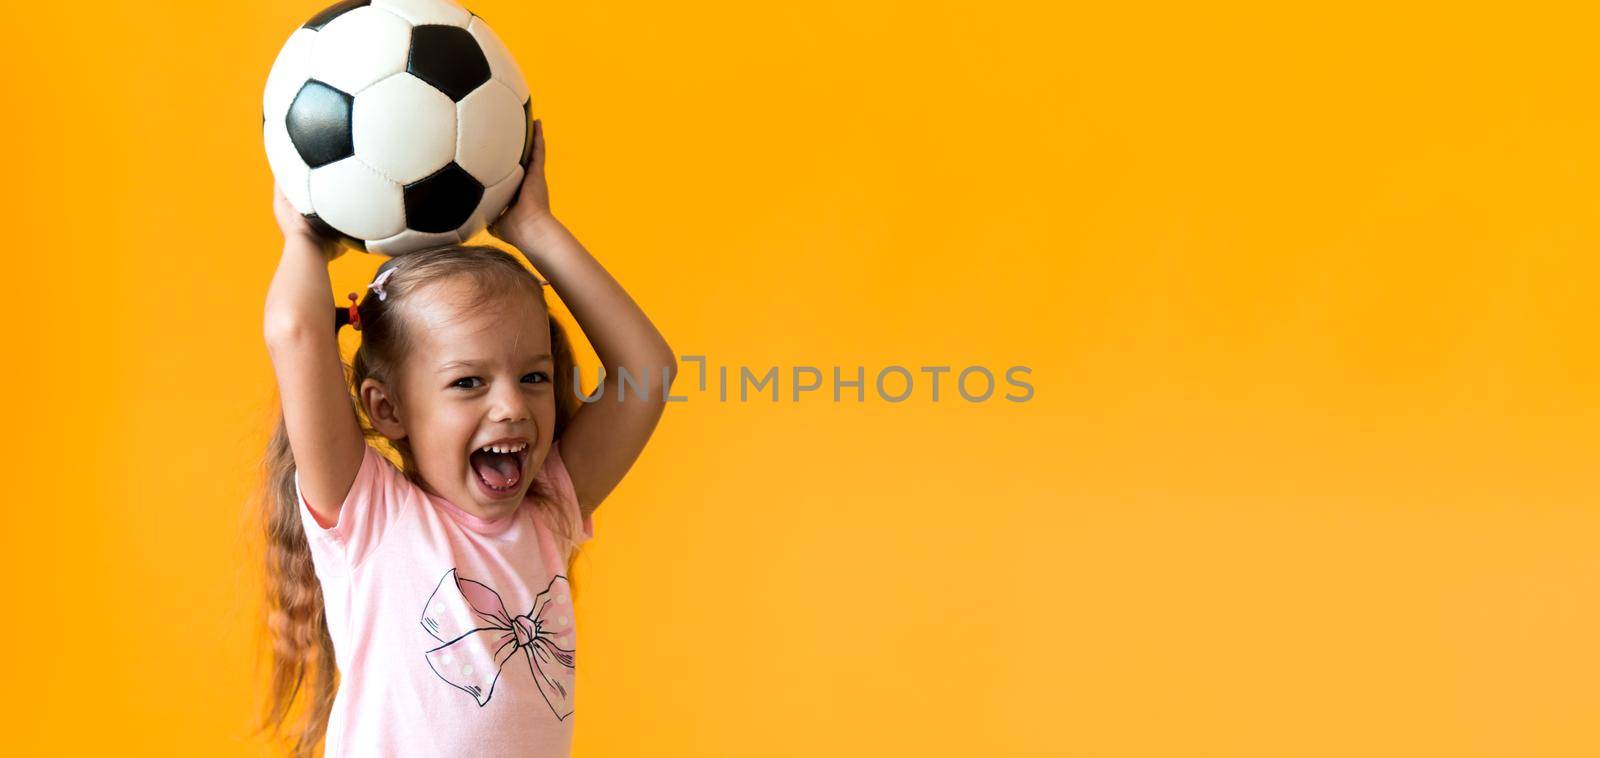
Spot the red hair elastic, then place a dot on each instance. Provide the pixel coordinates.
(355, 315)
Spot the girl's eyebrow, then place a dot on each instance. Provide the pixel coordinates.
(474, 363)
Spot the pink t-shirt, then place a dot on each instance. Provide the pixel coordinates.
(453, 635)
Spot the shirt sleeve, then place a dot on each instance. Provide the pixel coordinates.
(554, 471)
(370, 509)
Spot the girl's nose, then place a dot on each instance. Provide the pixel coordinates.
(512, 406)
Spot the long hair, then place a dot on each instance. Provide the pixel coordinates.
(303, 670)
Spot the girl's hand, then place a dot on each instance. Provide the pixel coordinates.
(295, 227)
(533, 199)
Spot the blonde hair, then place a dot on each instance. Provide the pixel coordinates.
(301, 648)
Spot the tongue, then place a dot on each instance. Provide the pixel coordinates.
(498, 469)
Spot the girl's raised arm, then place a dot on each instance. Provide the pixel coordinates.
(606, 436)
(303, 345)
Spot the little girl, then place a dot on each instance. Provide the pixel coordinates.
(438, 590)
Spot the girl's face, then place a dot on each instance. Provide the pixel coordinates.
(479, 377)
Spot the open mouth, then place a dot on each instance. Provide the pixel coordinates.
(500, 468)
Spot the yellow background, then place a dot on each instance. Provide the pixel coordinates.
(1307, 294)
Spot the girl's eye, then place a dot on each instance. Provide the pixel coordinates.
(540, 377)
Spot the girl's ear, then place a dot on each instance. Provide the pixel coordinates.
(379, 403)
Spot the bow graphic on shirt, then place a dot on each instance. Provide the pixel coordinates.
(479, 637)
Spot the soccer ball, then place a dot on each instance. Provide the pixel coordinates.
(397, 125)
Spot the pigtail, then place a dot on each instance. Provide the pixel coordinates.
(302, 650)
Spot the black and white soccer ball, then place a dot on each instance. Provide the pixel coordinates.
(397, 125)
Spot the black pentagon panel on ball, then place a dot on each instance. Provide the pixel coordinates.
(326, 230)
(334, 11)
(442, 202)
(447, 57)
(319, 124)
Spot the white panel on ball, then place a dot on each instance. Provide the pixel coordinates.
(492, 128)
(288, 73)
(410, 241)
(361, 47)
(420, 12)
(404, 128)
(473, 226)
(291, 173)
(357, 200)
(493, 202)
(502, 65)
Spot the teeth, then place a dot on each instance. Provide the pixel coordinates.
(517, 448)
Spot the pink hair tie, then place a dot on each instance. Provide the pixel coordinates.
(377, 284)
